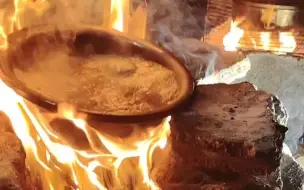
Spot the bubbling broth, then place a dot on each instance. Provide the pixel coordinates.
(108, 84)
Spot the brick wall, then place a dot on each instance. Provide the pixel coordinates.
(218, 11)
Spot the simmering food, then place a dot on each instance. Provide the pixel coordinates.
(105, 83)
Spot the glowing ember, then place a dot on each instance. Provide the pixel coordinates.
(231, 40)
(110, 162)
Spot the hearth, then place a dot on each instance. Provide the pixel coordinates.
(260, 26)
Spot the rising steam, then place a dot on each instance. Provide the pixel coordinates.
(174, 25)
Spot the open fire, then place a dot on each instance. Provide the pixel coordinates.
(110, 162)
(259, 26)
(281, 43)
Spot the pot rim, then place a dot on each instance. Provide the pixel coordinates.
(187, 84)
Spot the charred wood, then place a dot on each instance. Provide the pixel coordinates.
(230, 128)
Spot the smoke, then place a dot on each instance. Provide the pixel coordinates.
(201, 59)
(178, 28)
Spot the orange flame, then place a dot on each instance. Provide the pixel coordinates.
(60, 165)
(117, 14)
(231, 40)
(56, 159)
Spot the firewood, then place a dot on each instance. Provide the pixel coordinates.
(231, 128)
(5, 123)
(12, 162)
(227, 135)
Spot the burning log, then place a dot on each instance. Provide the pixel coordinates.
(13, 172)
(228, 134)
